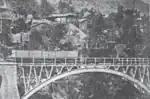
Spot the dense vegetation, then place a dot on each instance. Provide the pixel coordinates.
(96, 85)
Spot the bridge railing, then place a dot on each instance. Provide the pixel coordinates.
(82, 61)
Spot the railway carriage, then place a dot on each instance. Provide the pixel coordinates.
(50, 57)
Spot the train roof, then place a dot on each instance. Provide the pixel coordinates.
(43, 54)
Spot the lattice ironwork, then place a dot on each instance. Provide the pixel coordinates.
(37, 73)
(34, 72)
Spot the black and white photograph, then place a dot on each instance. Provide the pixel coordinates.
(74, 49)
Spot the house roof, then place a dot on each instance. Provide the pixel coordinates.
(44, 21)
(62, 15)
(82, 20)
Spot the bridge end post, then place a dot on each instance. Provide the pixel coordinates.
(9, 89)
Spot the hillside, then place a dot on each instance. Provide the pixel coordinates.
(106, 6)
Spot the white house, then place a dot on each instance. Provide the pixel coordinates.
(63, 18)
(83, 24)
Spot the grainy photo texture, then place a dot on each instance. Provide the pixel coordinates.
(74, 49)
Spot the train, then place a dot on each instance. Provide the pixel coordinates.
(53, 57)
(49, 57)
(43, 54)
(34, 56)
(66, 57)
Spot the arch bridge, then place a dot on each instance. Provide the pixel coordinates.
(32, 71)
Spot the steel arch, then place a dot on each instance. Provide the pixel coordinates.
(78, 71)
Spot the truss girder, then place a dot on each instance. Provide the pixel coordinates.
(36, 72)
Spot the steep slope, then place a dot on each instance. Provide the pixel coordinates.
(105, 6)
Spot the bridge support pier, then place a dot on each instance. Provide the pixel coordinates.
(8, 88)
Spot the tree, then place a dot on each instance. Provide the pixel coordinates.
(5, 38)
(46, 35)
(98, 25)
(65, 7)
(46, 8)
(106, 86)
(95, 86)
(20, 6)
(29, 6)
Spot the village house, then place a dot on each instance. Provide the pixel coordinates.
(63, 18)
(83, 24)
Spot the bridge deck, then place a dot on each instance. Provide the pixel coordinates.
(78, 61)
(33, 70)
